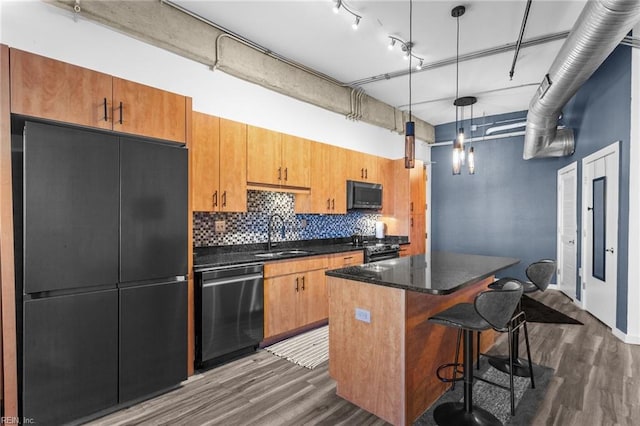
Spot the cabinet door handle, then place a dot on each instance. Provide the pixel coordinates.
(224, 199)
(279, 173)
(215, 199)
(286, 173)
(412, 222)
(296, 284)
(348, 257)
(106, 116)
(333, 204)
(303, 282)
(362, 173)
(328, 203)
(366, 173)
(412, 206)
(120, 108)
(609, 250)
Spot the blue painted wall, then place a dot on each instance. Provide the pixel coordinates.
(508, 207)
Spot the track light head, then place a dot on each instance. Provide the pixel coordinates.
(336, 6)
(392, 43)
(420, 64)
(356, 23)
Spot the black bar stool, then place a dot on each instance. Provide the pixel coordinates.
(490, 309)
(539, 274)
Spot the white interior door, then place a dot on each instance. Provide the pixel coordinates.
(600, 233)
(567, 251)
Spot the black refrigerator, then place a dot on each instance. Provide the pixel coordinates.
(101, 276)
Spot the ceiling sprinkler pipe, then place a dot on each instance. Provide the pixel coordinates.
(599, 29)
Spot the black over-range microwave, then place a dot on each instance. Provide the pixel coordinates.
(364, 195)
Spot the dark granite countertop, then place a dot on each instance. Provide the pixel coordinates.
(210, 257)
(435, 273)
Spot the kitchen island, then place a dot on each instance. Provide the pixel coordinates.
(383, 353)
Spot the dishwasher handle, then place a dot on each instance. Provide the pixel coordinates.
(236, 279)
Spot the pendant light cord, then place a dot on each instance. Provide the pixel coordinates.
(410, 49)
(457, 65)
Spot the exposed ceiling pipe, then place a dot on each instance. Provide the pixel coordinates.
(599, 29)
(504, 127)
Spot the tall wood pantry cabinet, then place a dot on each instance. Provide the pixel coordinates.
(219, 164)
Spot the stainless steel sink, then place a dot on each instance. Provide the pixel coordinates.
(272, 254)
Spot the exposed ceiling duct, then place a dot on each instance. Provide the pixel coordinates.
(599, 29)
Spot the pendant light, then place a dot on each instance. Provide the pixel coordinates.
(409, 128)
(458, 157)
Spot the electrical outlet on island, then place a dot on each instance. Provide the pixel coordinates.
(220, 226)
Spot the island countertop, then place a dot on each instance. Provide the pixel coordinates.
(435, 273)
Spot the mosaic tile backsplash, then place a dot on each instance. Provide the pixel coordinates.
(251, 227)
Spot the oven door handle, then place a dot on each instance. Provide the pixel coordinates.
(385, 256)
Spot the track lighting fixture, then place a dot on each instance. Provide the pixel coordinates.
(407, 48)
(341, 4)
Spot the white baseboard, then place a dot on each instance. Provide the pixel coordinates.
(576, 302)
(626, 338)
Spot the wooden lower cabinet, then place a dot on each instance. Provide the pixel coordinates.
(281, 305)
(313, 304)
(348, 258)
(295, 294)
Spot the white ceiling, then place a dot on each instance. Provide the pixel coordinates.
(310, 33)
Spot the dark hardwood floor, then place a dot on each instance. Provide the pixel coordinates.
(597, 382)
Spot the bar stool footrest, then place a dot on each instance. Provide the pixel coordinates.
(458, 372)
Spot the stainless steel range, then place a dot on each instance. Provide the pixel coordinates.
(375, 252)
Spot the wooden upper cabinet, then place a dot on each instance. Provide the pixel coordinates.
(205, 157)
(337, 179)
(277, 159)
(47, 88)
(218, 158)
(328, 181)
(386, 178)
(263, 156)
(362, 167)
(296, 158)
(233, 166)
(147, 111)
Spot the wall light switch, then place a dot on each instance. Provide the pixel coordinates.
(220, 226)
(363, 315)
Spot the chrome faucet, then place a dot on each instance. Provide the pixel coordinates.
(270, 226)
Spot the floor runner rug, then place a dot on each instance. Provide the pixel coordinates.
(308, 349)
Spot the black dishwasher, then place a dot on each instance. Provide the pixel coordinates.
(229, 312)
